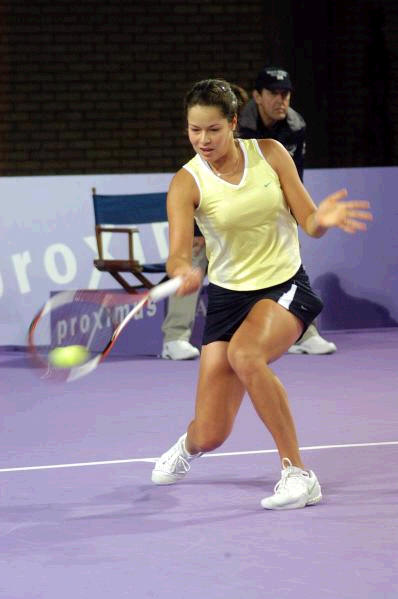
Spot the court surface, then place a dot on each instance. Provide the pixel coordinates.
(79, 517)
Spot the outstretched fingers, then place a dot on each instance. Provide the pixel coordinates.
(338, 195)
(352, 226)
(355, 214)
(350, 216)
(355, 204)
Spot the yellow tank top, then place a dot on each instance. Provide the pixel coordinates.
(251, 236)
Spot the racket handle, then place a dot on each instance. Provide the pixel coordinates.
(165, 289)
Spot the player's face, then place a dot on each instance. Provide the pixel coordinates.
(272, 104)
(209, 132)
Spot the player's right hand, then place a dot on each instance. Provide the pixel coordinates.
(191, 281)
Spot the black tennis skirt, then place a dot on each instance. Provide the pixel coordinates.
(227, 309)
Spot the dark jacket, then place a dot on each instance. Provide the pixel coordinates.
(290, 132)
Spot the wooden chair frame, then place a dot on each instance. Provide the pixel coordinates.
(116, 266)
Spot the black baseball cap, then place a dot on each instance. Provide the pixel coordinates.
(273, 78)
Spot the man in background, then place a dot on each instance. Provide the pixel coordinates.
(181, 312)
(269, 115)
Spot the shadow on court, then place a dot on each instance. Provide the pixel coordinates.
(344, 311)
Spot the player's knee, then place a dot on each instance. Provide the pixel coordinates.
(208, 440)
(244, 362)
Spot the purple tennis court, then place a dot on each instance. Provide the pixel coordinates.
(80, 517)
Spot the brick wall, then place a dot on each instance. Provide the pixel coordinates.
(347, 69)
(363, 103)
(96, 86)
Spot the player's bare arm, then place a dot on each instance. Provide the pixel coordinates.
(333, 211)
(182, 198)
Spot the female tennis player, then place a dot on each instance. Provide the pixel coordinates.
(247, 199)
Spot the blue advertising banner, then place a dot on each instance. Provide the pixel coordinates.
(48, 244)
(92, 323)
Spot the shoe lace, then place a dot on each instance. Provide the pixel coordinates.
(175, 460)
(290, 476)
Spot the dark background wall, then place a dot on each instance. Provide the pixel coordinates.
(96, 86)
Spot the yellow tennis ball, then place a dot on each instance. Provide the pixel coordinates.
(68, 356)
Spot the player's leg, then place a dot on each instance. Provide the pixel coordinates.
(266, 333)
(219, 395)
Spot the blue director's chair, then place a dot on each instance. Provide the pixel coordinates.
(120, 214)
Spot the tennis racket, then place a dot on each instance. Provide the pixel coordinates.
(79, 328)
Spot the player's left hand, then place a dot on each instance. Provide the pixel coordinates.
(348, 216)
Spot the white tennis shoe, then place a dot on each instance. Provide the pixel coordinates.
(315, 345)
(296, 488)
(179, 350)
(174, 464)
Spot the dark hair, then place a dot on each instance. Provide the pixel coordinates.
(213, 92)
(241, 95)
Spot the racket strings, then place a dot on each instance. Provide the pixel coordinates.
(87, 318)
(91, 320)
